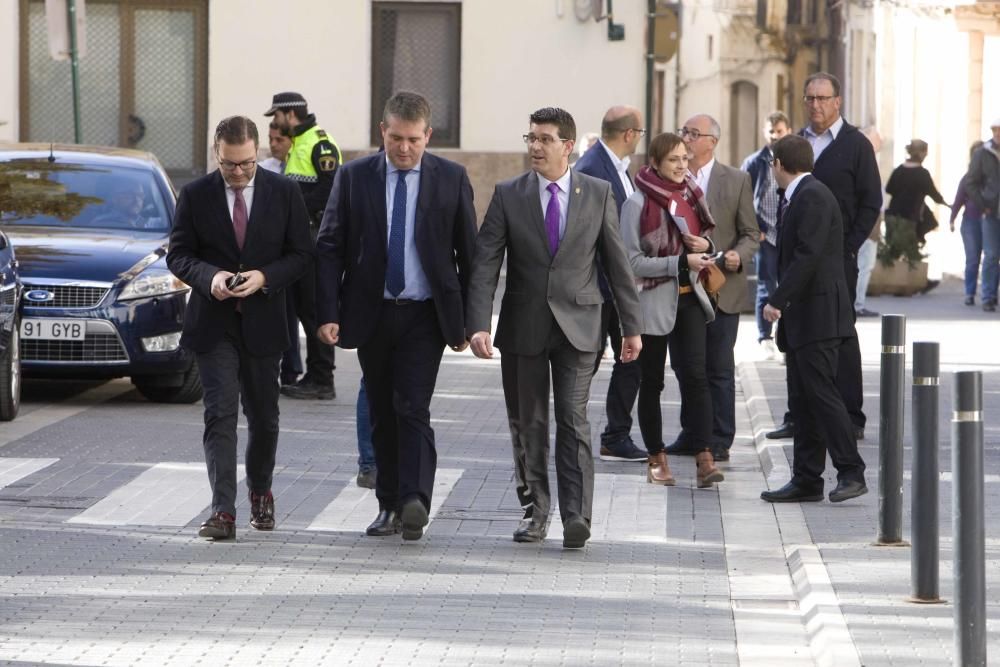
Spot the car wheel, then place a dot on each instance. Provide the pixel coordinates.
(188, 391)
(10, 375)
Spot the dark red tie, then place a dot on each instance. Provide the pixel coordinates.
(239, 217)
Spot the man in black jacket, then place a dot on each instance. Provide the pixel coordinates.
(816, 322)
(844, 161)
(239, 223)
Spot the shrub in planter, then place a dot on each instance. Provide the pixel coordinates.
(899, 243)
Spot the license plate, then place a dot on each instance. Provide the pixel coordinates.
(53, 329)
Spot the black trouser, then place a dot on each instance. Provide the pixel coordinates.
(320, 357)
(230, 375)
(823, 422)
(687, 344)
(850, 378)
(623, 387)
(400, 364)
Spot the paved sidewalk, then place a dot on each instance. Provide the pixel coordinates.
(99, 563)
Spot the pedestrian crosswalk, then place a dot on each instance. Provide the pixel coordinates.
(177, 494)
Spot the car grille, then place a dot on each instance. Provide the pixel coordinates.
(68, 296)
(97, 347)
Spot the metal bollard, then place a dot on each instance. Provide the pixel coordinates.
(967, 521)
(890, 432)
(924, 575)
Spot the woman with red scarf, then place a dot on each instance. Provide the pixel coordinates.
(665, 226)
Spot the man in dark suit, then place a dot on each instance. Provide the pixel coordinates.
(730, 200)
(394, 251)
(845, 163)
(816, 309)
(553, 224)
(608, 159)
(239, 223)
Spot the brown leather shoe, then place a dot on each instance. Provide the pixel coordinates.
(262, 511)
(658, 470)
(219, 526)
(708, 474)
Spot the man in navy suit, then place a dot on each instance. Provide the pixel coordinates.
(608, 159)
(251, 222)
(394, 250)
(816, 310)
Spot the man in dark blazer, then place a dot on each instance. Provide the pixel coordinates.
(553, 224)
(729, 194)
(609, 159)
(239, 223)
(815, 308)
(845, 163)
(394, 251)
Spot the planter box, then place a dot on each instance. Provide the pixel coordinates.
(898, 279)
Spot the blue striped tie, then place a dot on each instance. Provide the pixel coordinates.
(396, 278)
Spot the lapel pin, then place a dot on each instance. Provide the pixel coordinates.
(578, 191)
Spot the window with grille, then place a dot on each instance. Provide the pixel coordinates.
(416, 46)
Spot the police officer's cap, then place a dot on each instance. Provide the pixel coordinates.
(286, 101)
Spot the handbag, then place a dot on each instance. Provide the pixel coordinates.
(712, 279)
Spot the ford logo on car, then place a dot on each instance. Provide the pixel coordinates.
(39, 296)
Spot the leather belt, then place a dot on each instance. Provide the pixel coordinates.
(685, 289)
(405, 302)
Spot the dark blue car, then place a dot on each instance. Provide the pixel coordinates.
(10, 303)
(90, 228)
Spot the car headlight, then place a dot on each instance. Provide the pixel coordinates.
(152, 282)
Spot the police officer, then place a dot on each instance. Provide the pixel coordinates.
(312, 161)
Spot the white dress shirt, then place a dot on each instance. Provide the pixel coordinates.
(563, 194)
(703, 175)
(790, 190)
(819, 142)
(621, 166)
(247, 197)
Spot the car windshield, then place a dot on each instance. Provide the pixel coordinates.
(37, 192)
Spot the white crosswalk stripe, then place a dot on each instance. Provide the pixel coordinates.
(354, 508)
(12, 470)
(167, 494)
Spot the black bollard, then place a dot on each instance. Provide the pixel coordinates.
(967, 519)
(890, 432)
(924, 489)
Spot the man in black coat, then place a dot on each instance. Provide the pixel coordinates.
(394, 252)
(239, 223)
(845, 163)
(815, 309)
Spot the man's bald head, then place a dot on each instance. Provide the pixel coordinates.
(621, 129)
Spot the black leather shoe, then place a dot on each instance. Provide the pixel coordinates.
(262, 511)
(791, 493)
(678, 448)
(576, 532)
(720, 454)
(385, 524)
(219, 526)
(786, 430)
(366, 479)
(530, 530)
(414, 518)
(847, 489)
(859, 432)
(308, 389)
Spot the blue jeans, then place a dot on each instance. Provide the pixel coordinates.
(972, 239)
(366, 452)
(991, 257)
(767, 282)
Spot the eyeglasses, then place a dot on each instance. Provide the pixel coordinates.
(693, 133)
(822, 99)
(545, 139)
(229, 165)
(638, 130)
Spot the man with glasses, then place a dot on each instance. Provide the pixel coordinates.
(730, 199)
(312, 162)
(608, 159)
(845, 163)
(240, 239)
(553, 224)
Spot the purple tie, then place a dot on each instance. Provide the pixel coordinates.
(552, 218)
(239, 217)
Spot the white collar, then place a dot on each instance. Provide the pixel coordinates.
(245, 187)
(562, 181)
(834, 129)
(621, 164)
(790, 190)
(705, 170)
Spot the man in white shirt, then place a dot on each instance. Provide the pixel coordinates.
(279, 145)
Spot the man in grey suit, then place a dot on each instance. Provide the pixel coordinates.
(730, 199)
(553, 224)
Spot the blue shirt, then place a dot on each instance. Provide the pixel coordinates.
(413, 271)
(819, 142)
